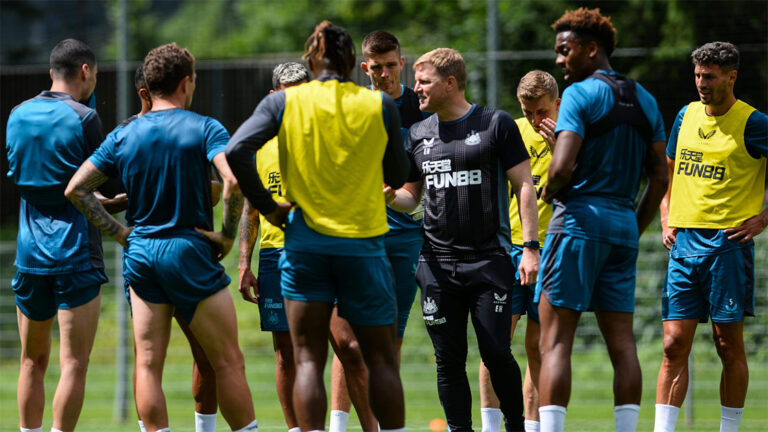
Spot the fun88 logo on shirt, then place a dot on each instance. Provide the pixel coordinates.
(439, 175)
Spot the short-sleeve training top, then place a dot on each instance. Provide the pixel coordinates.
(47, 139)
(463, 165)
(163, 160)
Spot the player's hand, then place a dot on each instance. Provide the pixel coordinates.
(220, 241)
(546, 196)
(547, 130)
(278, 216)
(668, 236)
(114, 205)
(389, 194)
(749, 228)
(248, 283)
(529, 266)
(122, 235)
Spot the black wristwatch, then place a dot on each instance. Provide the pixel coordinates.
(533, 244)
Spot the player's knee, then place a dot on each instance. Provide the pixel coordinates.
(349, 354)
(77, 367)
(727, 349)
(34, 365)
(676, 348)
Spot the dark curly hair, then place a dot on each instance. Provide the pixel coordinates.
(589, 24)
(723, 54)
(333, 45)
(165, 67)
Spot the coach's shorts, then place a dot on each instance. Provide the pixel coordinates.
(522, 296)
(362, 285)
(271, 308)
(403, 248)
(181, 270)
(40, 296)
(721, 286)
(583, 275)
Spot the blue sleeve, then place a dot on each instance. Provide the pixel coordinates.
(756, 134)
(672, 143)
(216, 138)
(651, 110)
(104, 156)
(583, 103)
(263, 125)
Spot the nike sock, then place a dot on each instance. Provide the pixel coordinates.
(251, 427)
(552, 418)
(666, 418)
(141, 426)
(339, 421)
(730, 418)
(205, 422)
(491, 418)
(531, 426)
(625, 417)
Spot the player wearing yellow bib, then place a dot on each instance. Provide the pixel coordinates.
(539, 99)
(265, 291)
(337, 143)
(717, 159)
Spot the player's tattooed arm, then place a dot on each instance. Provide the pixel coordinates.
(233, 205)
(80, 192)
(249, 230)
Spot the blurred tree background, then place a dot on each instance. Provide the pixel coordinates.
(237, 42)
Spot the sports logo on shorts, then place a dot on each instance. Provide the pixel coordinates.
(731, 306)
(707, 135)
(428, 144)
(429, 307)
(499, 301)
(473, 139)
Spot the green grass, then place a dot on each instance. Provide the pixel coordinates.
(590, 408)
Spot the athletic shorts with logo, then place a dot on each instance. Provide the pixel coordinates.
(587, 275)
(39, 297)
(522, 296)
(361, 286)
(271, 307)
(719, 285)
(403, 248)
(180, 269)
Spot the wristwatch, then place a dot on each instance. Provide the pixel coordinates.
(533, 244)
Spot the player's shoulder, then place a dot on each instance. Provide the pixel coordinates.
(425, 128)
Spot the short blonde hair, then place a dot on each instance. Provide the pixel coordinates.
(447, 62)
(536, 84)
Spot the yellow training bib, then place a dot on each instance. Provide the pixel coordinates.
(541, 155)
(268, 166)
(716, 183)
(332, 141)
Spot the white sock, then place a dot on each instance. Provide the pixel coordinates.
(205, 422)
(40, 429)
(730, 418)
(251, 427)
(339, 421)
(531, 426)
(552, 418)
(164, 430)
(625, 417)
(55, 430)
(296, 429)
(666, 418)
(141, 426)
(491, 418)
